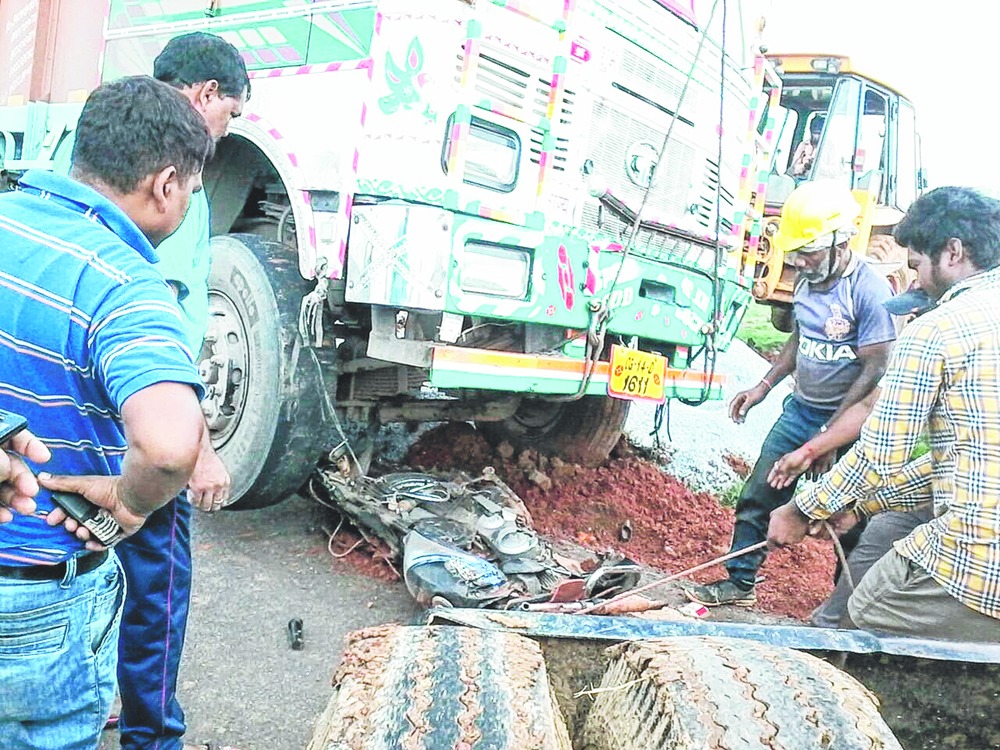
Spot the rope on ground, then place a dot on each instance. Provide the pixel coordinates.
(845, 568)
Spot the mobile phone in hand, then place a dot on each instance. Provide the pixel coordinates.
(96, 520)
(10, 425)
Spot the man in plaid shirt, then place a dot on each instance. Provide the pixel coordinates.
(943, 580)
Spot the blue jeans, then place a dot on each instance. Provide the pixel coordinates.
(798, 422)
(157, 563)
(58, 653)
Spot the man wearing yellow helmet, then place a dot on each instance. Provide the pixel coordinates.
(838, 351)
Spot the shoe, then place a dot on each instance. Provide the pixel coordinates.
(720, 592)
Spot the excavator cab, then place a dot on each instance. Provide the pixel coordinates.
(835, 123)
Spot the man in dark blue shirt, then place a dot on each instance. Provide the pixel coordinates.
(93, 352)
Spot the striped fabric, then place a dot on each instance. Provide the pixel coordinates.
(945, 373)
(85, 322)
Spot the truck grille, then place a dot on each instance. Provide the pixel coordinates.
(655, 245)
(523, 93)
(505, 81)
(706, 200)
(667, 83)
(613, 132)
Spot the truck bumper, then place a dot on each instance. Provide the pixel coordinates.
(459, 367)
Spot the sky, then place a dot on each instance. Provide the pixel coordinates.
(944, 56)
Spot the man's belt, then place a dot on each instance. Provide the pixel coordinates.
(84, 564)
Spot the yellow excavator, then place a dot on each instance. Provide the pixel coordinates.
(833, 122)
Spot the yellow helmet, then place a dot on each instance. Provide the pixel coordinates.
(812, 214)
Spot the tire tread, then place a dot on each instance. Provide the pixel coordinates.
(729, 694)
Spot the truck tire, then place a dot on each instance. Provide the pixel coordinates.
(583, 431)
(264, 413)
(433, 687)
(729, 694)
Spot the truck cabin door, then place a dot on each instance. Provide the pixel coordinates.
(837, 151)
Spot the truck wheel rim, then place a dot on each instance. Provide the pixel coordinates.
(224, 368)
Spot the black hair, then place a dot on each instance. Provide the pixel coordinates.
(816, 124)
(198, 57)
(134, 127)
(946, 212)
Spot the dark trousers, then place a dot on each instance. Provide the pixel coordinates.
(157, 563)
(798, 422)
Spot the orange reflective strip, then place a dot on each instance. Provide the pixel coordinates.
(453, 358)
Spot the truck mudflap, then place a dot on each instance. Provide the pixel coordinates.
(616, 629)
(460, 367)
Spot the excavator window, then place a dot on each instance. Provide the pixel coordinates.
(872, 152)
(804, 98)
(836, 159)
(907, 157)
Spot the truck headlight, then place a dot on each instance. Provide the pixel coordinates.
(496, 270)
(492, 155)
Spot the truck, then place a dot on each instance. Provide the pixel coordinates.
(517, 212)
(867, 139)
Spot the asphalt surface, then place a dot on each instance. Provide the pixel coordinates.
(240, 682)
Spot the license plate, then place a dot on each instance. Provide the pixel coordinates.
(636, 375)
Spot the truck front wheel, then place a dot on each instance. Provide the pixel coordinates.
(263, 391)
(583, 431)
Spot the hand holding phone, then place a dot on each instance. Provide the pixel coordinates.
(10, 425)
(98, 521)
(18, 486)
(90, 506)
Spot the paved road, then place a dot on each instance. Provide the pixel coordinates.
(241, 684)
(703, 434)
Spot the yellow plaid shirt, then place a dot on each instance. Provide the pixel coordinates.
(945, 374)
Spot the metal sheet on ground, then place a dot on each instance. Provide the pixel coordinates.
(592, 627)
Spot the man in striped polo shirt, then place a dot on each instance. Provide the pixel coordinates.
(157, 560)
(93, 352)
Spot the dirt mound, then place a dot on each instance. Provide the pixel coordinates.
(671, 528)
(454, 445)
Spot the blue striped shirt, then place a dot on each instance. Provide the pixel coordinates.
(85, 322)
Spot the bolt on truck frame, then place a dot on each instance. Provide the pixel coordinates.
(430, 210)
